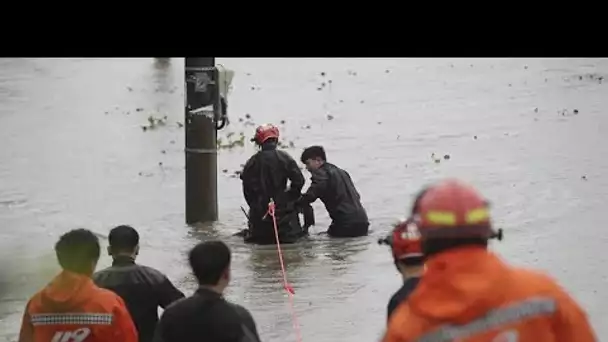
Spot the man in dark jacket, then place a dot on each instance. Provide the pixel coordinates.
(264, 178)
(142, 288)
(206, 315)
(336, 190)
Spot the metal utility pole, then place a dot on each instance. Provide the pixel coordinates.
(202, 102)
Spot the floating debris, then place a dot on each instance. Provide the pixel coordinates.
(179, 124)
(129, 89)
(282, 122)
(329, 81)
(330, 117)
(379, 122)
(525, 67)
(139, 109)
(509, 84)
(163, 151)
(160, 163)
(475, 137)
(536, 110)
(319, 89)
(322, 73)
(172, 142)
(575, 111)
(247, 116)
(225, 170)
(307, 127)
(362, 101)
(386, 71)
(241, 120)
(446, 157)
(584, 177)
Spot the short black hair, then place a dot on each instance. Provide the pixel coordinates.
(209, 260)
(76, 250)
(123, 238)
(313, 152)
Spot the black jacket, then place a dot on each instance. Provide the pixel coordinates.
(206, 316)
(401, 295)
(142, 288)
(265, 176)
(335, 188)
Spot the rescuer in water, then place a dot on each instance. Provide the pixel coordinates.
(264, 178)
(404, 241)
(336, 190)
(467, 293)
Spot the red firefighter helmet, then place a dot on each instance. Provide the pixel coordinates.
(453, 209)
(265, 132)
(405, 241)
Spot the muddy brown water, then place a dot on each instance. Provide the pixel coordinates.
(74, 155)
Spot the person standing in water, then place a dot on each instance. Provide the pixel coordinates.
(265, 177)
(337, 191)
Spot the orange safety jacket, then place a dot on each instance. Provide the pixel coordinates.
(469, 295)
(73, 309)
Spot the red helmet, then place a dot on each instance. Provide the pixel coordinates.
(265, 132)
(405, 241)
(453, 209)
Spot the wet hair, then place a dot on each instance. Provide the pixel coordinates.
(76, 250)
(123, 239)
(313, 152)
(209, 260)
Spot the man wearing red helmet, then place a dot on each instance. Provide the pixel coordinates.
(467, 293)
(408, 258)
(265, 177)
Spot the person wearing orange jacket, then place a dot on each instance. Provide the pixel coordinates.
(71, 308)
(406, 249)
(467, 293)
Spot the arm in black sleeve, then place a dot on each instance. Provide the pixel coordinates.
(250, 330)
(168, 293)
(318, 186)
(250, 180)
(296, 178)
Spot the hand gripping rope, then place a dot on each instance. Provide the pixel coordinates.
(286, 285)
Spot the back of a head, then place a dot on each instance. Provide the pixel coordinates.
(452, 214)
(123, 239)
(209, 260)
(313, 152)
(78, 251)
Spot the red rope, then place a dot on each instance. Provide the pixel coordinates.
(286, 285)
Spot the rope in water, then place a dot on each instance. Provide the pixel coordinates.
(286, 285)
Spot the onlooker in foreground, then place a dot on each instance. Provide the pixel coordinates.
(336, 190)
(71, 307)
(408, 258)
(467, 293)
(142, 288)
(206, 315)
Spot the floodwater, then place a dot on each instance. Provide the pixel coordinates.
(529, 133)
